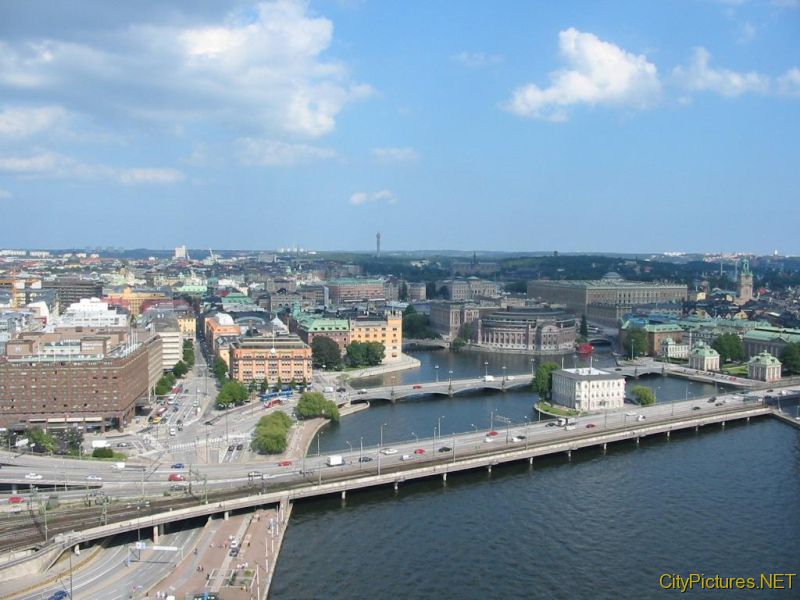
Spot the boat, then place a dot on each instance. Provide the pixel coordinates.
(585, 349)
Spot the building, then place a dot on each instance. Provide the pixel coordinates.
(769, 339)
(187, 323)
(449, 318)
(23, 290)
(387, 330)
(166, 327)
(219, 325)
(275, 359)
(310, 326)
(744, 285)
(281, 300)
(529, 330)
(417, 292)
(606, 300)
(703, 357)
(133, 299)
(91, 312)
(343, 291)
(70, 290)
(588, 389)
(180, 253)
(764, 367)
(83, 377)
(671, 349)
(469, 289)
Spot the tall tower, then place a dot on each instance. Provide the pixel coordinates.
(378, 244)
(745, 283)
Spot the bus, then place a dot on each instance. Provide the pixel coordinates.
(155, 420)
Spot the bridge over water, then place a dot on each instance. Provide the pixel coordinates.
(448, 387)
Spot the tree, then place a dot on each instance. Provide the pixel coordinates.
(635, 342)
(324, 351)
(644, 395)
(232, 392)
(375, 353)
(543, 382)
(220, 369)
(263, 386)
(314, 404)
(103, 453)
(729, 346)
(416, 325)
(180, 369)
(457, 344)
(41, 440)
(271, 432)
(790, 357)
(466, 331)
(357, 354)
(584, 329)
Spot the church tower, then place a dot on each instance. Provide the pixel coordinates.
(745, 283)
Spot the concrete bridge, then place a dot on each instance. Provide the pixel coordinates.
(448, 454)
(425, 343)
(654, 368)
(448, 387)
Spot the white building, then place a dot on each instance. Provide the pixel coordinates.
(703, 357)
(764, 367)
(91, 312)
(167, 328)
(588, 389)
(180, 253)
(671, 349)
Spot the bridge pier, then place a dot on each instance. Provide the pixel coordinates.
(668, 434)
(396, 485)
(344, 494)
(226, 515)
(158, 530)
(444, 477)
(605, 447)
(569, 454)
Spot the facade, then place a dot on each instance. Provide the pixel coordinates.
(89, 378)
(309, 326)
(744, 286)
(343, 291)
(417, 292)
(133, 299)
(588, 389)
(605, 300)
(70, 290)
(276, 359)
(769, 339)
(187, 323)
(219, 325)
(671, 349)
(281, 300)
(530, 330)
(703, 358)
(167, 328)
(764, 367)
(91, 312)
(448, 318)
(388, 331)
(459, 290)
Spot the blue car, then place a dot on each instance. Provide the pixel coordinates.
(177, 466)
(59, 595)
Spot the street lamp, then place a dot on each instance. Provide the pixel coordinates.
(415, 436)
(486, 368)
(382, 426)
(475, 427)
(439, 425)
(527, 422)
(349, 445)
(504, 373)
(319, 464)
(360, 451)
(533, 360)
(436, 367)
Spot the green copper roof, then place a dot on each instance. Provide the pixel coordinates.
(766, 359)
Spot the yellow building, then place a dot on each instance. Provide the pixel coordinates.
(284, 358)
(188, 325)
(388, 331)
(133, 299)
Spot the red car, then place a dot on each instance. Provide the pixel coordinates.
(419, 451)
(285, 463)
(176, 477)
(492, 433)
(589, 425)
(16, 500)
(417, 387)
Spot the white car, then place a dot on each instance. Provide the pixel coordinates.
(389, 451)
(630, 414)
(487, 439)
(33, 476)
(406, 457)
(94, 478)
(517, 438)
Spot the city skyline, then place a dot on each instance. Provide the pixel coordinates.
(265, 125)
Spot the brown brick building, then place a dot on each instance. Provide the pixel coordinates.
(89, 378)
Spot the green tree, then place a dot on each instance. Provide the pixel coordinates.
(457, 344)
(375, 353)
(584, 329)
(644, 395)
(188, 356)
(41, 440)
(314, 404)
(103, 453)
(402, 293)
(729, 346)
(324, 351)
(180, 369)
(187, 344)
(232, 392)
(790, 357)
(263, 387)
(543, 382)
(220, 369)
(466, 331)
(635, 343)
(270, 436)
(357, 354)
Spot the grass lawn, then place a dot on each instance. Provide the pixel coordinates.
(557, 410)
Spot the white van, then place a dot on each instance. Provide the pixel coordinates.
(173, 431)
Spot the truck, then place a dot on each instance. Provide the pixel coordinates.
(334, 460)
(100, 444)
(118, 466)
(327, 389)
(488, 377)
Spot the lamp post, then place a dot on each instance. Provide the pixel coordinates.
(504, 374)
(491, 420)
(349, 445)
(439, 425)
(475, 427)
(527, 422)
(436, 368)
(360, 451)
(393, 380)
(433, 445)
(533, 360)
(415, 436)
(486, 368)
(381, 447)
(319, 463)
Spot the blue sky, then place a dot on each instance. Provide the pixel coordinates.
(516, 125)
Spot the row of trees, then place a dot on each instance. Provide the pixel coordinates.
(188, 353)
(60, 441)
(325, 353)
(314, 404)
(166, 383)
(543, 382)
(232, 393)
(271, 433)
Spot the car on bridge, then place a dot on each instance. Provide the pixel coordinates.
(365, 459)
(388, 451)
(285, 463)
(492, 433)
(590, 426)
(518, 438)
(177, 466)
(419, 451)
(487, 439)
(417, 387)
(94, 478)
(59, 595)
(362, 391)
(176, 477)
(16, 499)
(445, 449)
(33, 476)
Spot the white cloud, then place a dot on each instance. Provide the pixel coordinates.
(20, 122)
(747, 33)
(53, 165)
(599, 73)
(273, 153)
(477, 60)
(262, 68)
(698, 76)
(360, 198)
(395, 155)
(789, 82)
(5, 195)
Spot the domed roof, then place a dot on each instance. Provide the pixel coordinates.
(612, 275)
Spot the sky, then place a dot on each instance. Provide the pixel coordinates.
(513, 125)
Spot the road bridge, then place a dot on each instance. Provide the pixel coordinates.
(655, 368)
(411, 343)
(448, 387)
(436, 457)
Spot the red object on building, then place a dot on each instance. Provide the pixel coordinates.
(585, 349)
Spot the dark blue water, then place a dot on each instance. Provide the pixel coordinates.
(598, 526)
